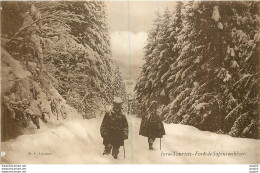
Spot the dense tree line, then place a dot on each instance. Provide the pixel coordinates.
(202, 67)
(69, 41)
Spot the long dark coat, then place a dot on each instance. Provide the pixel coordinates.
(114, 128)
(152, 126)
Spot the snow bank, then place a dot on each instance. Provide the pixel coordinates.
(37, 87)
(79, 141)
(76, 141)
(184, 139)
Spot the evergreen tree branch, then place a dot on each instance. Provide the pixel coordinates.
(25, 27)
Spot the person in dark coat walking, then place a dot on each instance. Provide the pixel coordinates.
(151, 125)
(114, 129)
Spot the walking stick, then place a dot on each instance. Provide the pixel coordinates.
(124, 150)
(160, 144)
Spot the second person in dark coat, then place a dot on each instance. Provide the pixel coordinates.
(151, 125)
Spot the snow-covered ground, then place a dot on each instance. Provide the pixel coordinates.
(79, 141)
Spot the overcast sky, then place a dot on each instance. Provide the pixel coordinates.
(129, 22)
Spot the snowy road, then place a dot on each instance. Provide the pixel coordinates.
(79, 141)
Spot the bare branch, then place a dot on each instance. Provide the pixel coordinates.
(25, 27)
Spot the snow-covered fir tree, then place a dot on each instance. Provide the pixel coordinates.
(72, 39)
(119, 89)
(203, 56)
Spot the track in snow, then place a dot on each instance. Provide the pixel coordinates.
(79, 142)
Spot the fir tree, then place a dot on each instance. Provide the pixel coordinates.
(210, 71)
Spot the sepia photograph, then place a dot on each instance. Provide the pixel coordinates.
(130, 82)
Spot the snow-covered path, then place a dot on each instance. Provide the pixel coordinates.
(79, 141)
